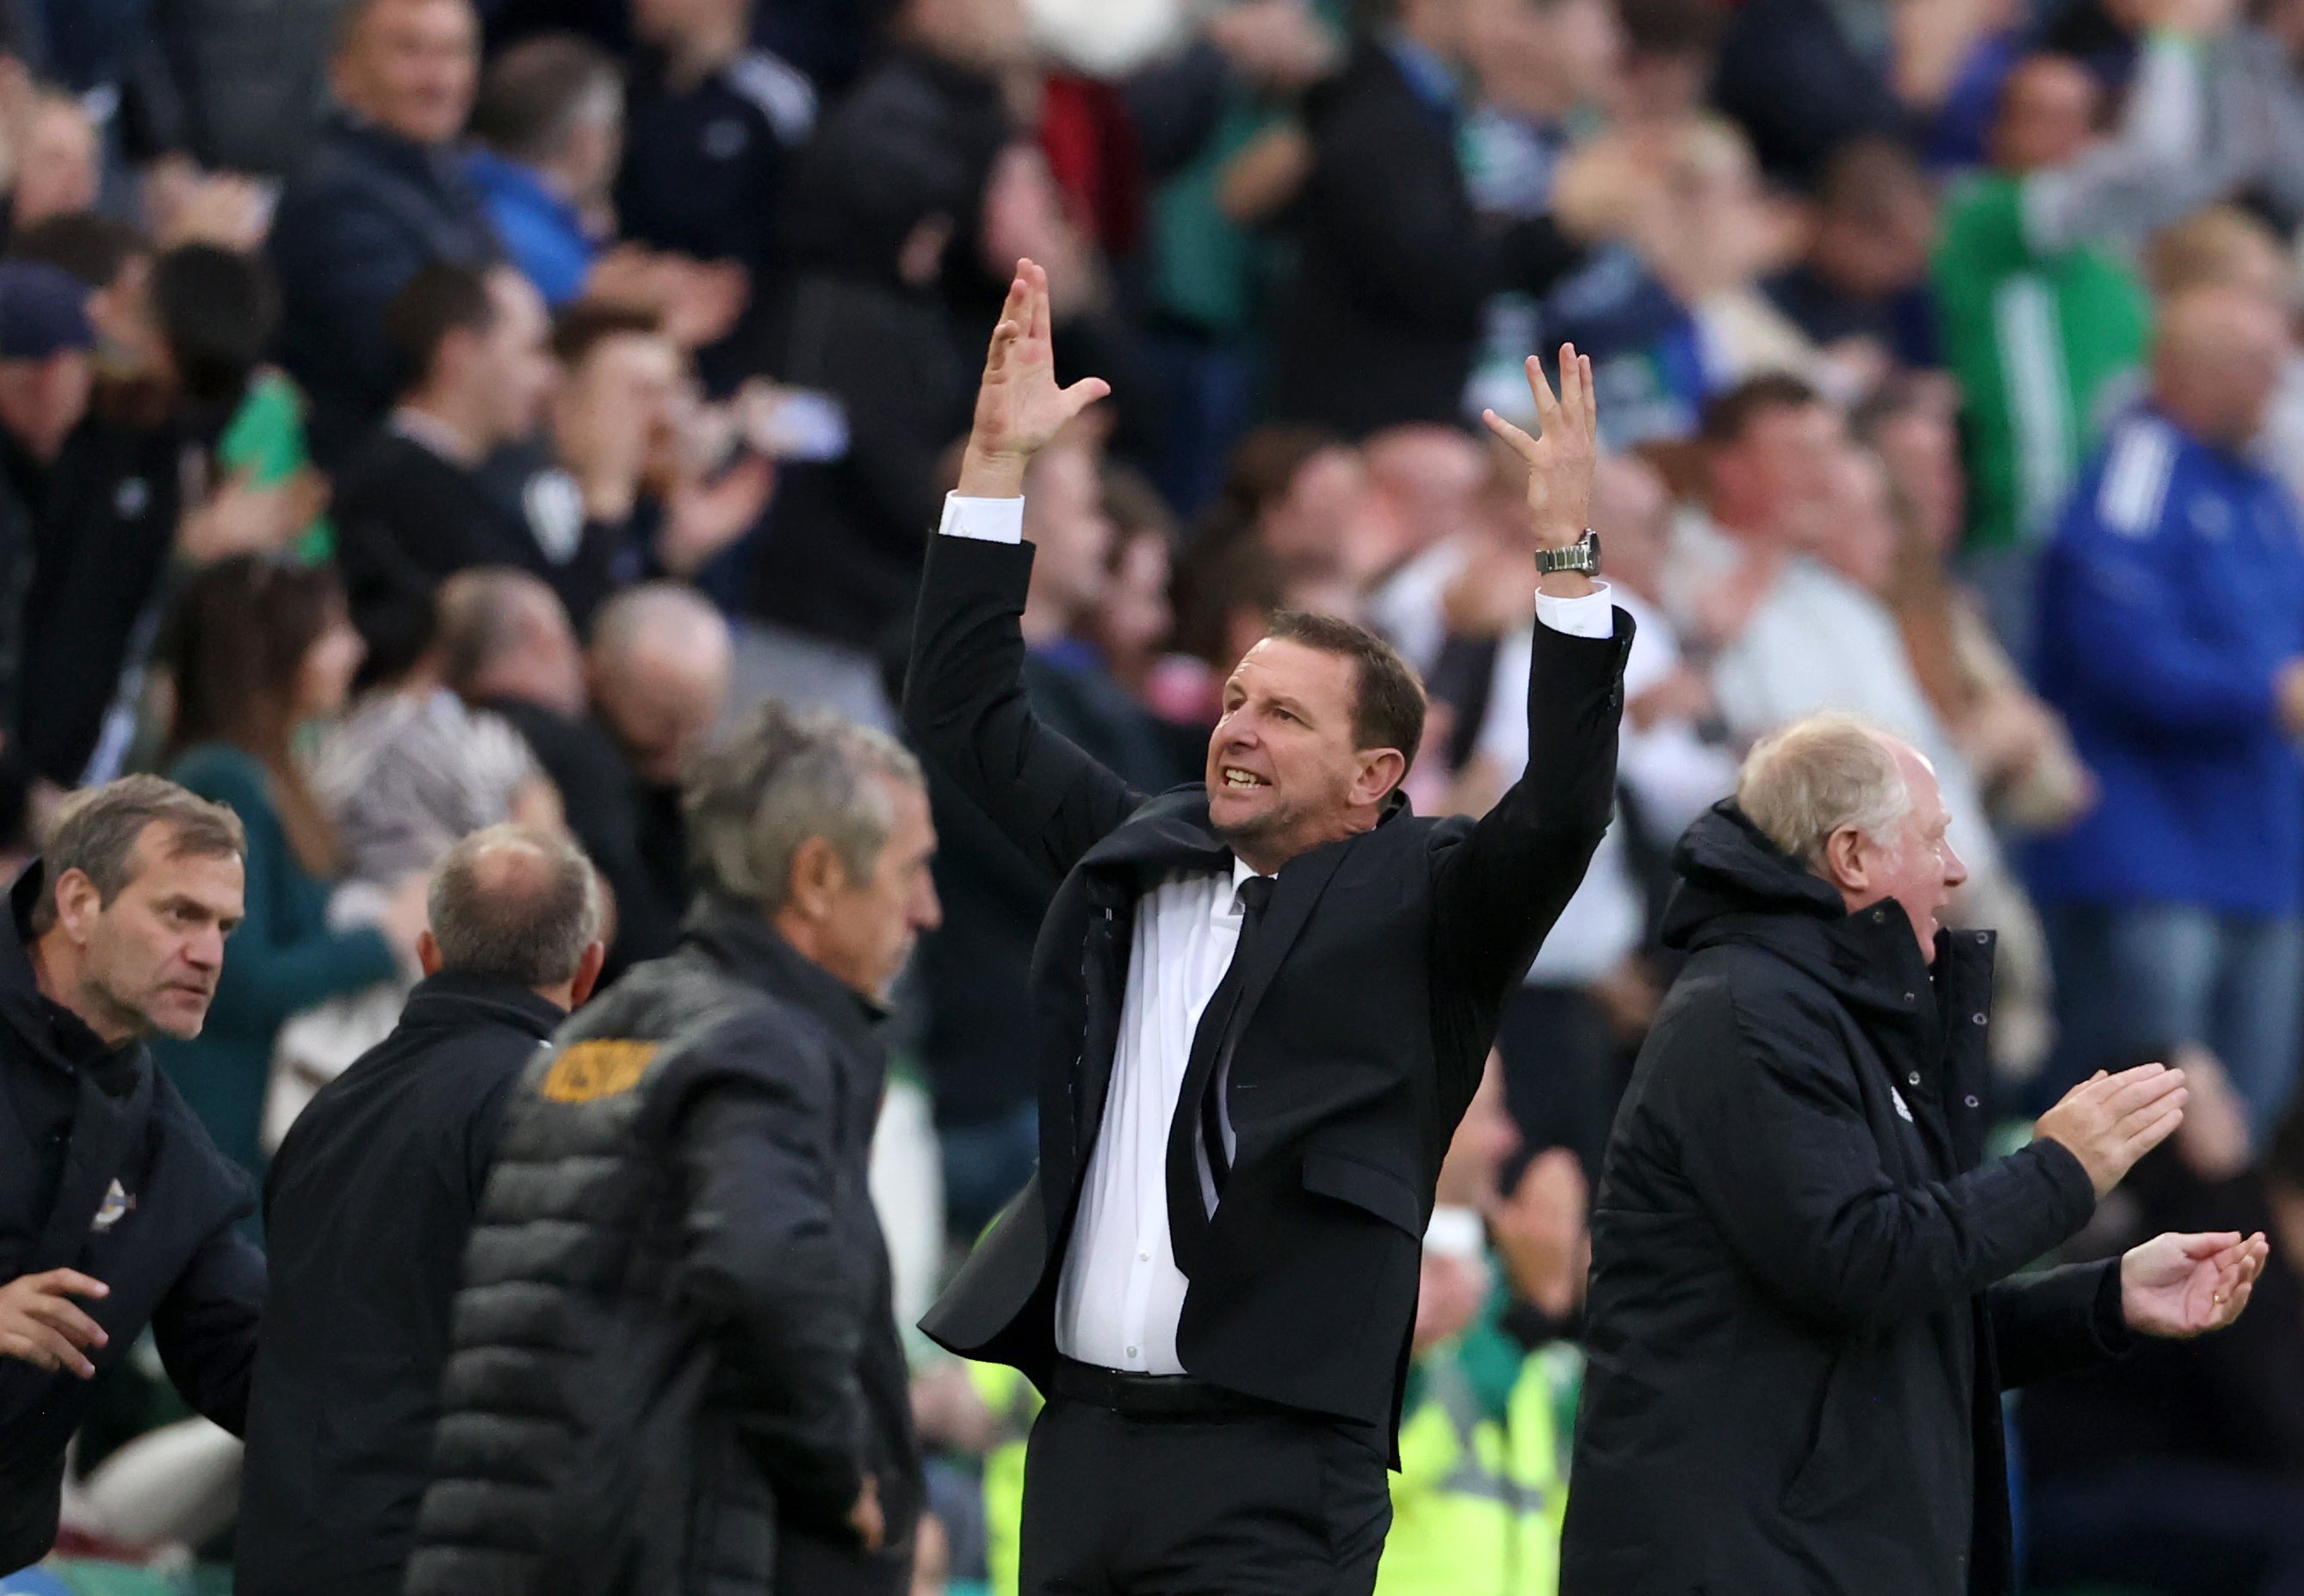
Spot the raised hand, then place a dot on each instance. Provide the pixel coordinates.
(1019, 406)
(2182, 1286)
(1560, 457)
(2109, 1121)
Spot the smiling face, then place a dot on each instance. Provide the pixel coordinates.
(1285, 771)
(150, 959)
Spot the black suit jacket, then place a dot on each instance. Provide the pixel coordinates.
(1369, 999)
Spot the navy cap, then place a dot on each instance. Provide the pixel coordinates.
(43, 311)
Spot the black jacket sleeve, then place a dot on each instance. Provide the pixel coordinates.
(761, 1268)
(966, 709)
(1774, 1141)
(205, 1326)
(1499, 889)
(2058, 1321)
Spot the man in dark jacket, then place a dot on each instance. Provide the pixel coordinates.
(676, 1369)
(110, 1192)
(384, 194)
(45, 378)
(1260, 1004)
(367, 1208)
(1802, 1316)
(1396, 267)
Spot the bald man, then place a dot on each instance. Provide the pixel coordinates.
(2172, 637)
(507, 647)
(658, 667)
(367, 1208)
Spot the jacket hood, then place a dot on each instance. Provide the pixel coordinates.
(49, 1031)
(1736, 886)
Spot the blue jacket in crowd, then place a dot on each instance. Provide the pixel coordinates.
(542, 232)
(2170, 597)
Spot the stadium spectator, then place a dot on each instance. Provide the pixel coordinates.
(255, 649)
(2035, 281)
(1797, 1241)
(383, 196)
(713, 127)
(2172, 637)
(367, 1210)
(508, 648)
(414, 506)
(116, 933)
(710, 1119)
(1861, 291)
(59, 164)
(550, 119)
(658, 669)
(875, 206)
(1397, 268)
(45, 378)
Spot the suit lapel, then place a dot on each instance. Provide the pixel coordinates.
(1296, 890)
(101, 1131)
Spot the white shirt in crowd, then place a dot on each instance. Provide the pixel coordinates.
(1121, 1293)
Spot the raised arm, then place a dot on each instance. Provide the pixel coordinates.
(965, 707)
(1500, 889)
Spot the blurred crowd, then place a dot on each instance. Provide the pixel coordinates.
(418, 415)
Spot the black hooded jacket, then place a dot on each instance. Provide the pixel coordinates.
(1802, 1316)
(103, 1169)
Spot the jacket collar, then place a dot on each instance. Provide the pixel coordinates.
(50, 1032)
(459, 1001)
(1736, 886)
(1171, 832)
(739, 938)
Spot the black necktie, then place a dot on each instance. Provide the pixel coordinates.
(1199, 1107)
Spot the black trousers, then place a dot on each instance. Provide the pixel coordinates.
(1255, 1504)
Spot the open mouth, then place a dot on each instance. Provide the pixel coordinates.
(1240, 779)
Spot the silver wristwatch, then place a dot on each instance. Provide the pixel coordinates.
(1582, 555)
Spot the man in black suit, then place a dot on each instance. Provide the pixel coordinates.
(1260, 1007)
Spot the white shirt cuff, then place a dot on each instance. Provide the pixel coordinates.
(989, 520)
(1591, 615)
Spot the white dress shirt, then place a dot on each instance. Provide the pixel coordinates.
(1121, 1293)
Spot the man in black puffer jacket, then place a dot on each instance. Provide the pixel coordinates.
(1801, 1315)
(676, 1370)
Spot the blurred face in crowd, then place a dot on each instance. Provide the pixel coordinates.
(863, 930)
(1878, 245)
(1859, 539)
(411, 67)
(2216, 362)
(1328, 494)
(1631, 502)
(2047, 114)
(1775, 481)
(60, 166)
(148, 960)
(1544, 58)
(1071, 535)
(986, 34)
(1920, 448)
(511, 367)
(1916, 865)
(661, 697)
(622, 397)
(325, 679)
(1134, 618)
(1285, 773)
(668, 22)
(42, 401)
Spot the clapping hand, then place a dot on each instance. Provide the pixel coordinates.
(2182, 1285)
(1559, 457)
(1020, 408)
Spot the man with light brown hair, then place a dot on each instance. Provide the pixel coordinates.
(117, 1211)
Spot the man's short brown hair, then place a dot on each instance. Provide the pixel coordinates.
(96, 833)
(1729, 416)
(1387, 696)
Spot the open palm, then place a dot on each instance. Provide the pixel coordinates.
(1560, 457)
(2188, 1285)
(1020, 407)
